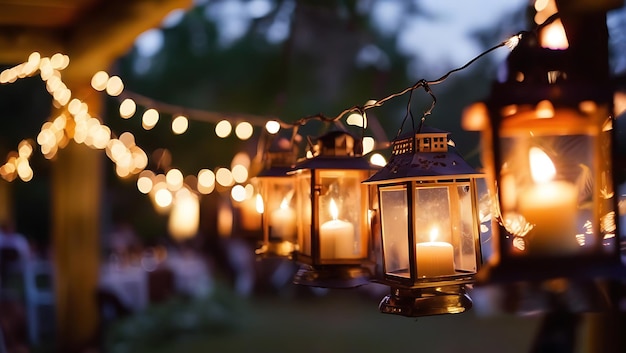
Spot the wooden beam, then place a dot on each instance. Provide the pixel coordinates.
(18, 43)
(93, 41)
(40, 13)
(100, 38)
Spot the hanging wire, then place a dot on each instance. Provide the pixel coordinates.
(406, 115)
(511, 43)
(215, 117)
(360, 109)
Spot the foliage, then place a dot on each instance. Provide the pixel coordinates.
(176, 320)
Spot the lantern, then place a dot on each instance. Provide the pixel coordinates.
(548, 141)
(334, 208)
(277, 201)
(430, 225)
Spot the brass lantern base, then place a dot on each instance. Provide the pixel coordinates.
(332, 276)
(426, 301)
(283, 249)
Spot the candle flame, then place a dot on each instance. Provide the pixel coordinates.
(284, 204)
(434, 233)
(541, 167)
(259, 204)
(545, 109)
(334, 211)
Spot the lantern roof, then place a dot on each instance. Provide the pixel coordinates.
(280, 158)
(274, 171)
(337, 150)
(337, 143)
(425, 154)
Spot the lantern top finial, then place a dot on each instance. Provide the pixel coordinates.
(428, 139)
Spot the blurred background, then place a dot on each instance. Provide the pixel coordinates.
(231, 60)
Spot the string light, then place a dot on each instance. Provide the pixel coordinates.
(174, 179)
(128, 107)
(180, 124)
(238, 193)
(99, 80)
(368, 145)
(224, 177)
(144, 181)
(76, 123)
(240, 173)
(244, 130)
(149, 119)
(206, 181)
(223, 128)
(115, 86)
(162, 196)
(272, 127)
(378, 159)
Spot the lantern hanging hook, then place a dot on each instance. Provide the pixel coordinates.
(425, 84)
(432, 105)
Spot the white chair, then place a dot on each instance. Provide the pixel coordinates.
(28, 272)
(37, 294)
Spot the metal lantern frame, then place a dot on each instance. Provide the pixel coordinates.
(422, 163)
(337, 167)
(546, 105)
(277, 189)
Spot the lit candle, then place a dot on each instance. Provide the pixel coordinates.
(283, 222)
(434, 258)
(250, 217)
(337, 237)
(551, 206)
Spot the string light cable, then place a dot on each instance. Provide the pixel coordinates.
(50, 71)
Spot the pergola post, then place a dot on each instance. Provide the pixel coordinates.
(77, 181)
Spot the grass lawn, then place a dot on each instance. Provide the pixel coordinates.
(345, 321)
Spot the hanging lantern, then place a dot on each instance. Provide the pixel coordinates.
(334, 224)
(277, 201)
(547, 142)
(428, 197)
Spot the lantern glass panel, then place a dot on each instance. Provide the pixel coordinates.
(280, 209)
(304, 211)
(554, 182)
(465, 259)
(395, 241)
(433, 231)
(445, 229)
(341, 209)
(485, 210)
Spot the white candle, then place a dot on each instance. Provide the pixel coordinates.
(434, 258)
(283, 222)
(337, 237)
(250, 217)
(551, 206)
